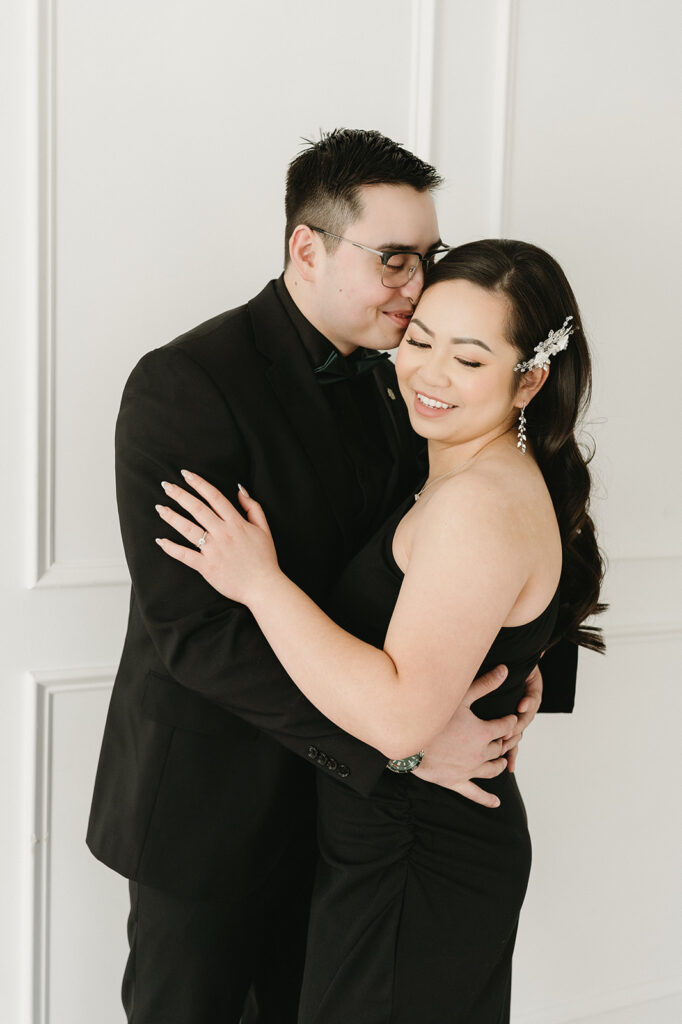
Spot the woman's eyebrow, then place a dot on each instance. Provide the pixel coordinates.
(455, 341)
(427, 330)
(471, 341)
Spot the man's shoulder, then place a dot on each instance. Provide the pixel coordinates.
(235, 322)
(222, 342)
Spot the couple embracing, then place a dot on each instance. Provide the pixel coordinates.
(307, 767)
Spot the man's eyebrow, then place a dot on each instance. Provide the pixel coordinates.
(455, 341)
(405, 247)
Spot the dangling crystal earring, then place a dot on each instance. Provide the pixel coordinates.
(521, 431)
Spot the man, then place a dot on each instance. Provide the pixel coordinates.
(204, 795)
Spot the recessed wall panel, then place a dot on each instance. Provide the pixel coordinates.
(171, 141)
(80, 906)
(595, 166)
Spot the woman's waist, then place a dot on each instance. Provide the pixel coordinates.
(505, 699)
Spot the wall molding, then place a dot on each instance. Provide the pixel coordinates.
(504, 65)
(48, 686)
(636, 634)
(95, 573)
(422, 70)
(586, 1007)
(45, 288)
(653, 631)
(46, 571)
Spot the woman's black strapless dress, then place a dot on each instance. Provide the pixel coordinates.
(418, 891)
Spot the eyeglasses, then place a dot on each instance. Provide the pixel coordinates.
(397, 266)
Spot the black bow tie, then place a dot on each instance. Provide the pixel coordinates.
(338, 367)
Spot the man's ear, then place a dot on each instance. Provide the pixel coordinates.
(531, 382)
(304, 251)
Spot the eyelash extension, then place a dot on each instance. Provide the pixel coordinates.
(423, 344)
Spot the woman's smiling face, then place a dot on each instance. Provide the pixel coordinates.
(455, 366)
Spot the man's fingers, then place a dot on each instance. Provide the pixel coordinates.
(485, 684)
(498, 728)
(534, 684)
(477, 795)
(511, 741)
(491, 769)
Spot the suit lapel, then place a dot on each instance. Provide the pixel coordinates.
(300, 397)
(399, 434)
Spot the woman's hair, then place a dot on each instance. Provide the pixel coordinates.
(540, 298)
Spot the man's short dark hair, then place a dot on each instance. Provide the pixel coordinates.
(324, 179)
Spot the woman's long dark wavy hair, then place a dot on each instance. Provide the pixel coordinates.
(540, 299)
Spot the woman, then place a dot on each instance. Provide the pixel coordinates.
(418, 890)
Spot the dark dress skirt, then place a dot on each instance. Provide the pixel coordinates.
(418, 889)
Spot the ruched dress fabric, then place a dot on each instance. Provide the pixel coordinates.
(418, 890)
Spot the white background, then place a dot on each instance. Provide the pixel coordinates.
(144, 146)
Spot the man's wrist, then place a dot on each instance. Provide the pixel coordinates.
(401, 765)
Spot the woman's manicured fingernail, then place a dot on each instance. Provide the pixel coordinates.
(166, 486)
(242, 490)
(186, 473)
(159, 508)
(158, 541)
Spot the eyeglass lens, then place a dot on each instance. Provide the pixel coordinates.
(399, 269)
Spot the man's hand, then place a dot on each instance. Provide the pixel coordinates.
(527, 710)
(470, 748)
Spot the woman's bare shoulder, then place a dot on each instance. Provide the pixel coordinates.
(499, 504)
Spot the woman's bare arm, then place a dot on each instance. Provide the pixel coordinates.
(463, 577)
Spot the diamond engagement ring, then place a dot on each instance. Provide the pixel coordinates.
(202, 540)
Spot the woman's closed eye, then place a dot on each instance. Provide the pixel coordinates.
(424, 344)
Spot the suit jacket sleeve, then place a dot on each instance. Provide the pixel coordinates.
(173, 417)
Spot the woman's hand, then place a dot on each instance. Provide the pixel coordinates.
(235, 555)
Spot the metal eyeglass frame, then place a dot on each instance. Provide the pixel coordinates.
(386, 255)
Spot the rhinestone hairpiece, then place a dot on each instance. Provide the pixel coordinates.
(556, 341)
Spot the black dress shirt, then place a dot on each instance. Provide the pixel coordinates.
(359, 413)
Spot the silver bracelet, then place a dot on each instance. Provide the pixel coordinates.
(406, 764)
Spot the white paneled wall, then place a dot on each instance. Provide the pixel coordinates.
(145, 147)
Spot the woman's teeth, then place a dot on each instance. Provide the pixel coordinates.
(432, 403)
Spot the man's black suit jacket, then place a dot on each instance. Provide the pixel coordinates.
(204, 770)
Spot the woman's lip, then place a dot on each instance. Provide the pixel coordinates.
(426, 410)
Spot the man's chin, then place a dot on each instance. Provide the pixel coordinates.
(381, 344)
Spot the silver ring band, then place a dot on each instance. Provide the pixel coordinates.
(202, 540)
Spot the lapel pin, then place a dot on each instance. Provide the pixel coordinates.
(391, 394)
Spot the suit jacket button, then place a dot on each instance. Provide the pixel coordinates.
(322, 758)
(343, 771)
(312, 752)
(332, 764)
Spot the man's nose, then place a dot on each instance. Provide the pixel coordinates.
(412, 289)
